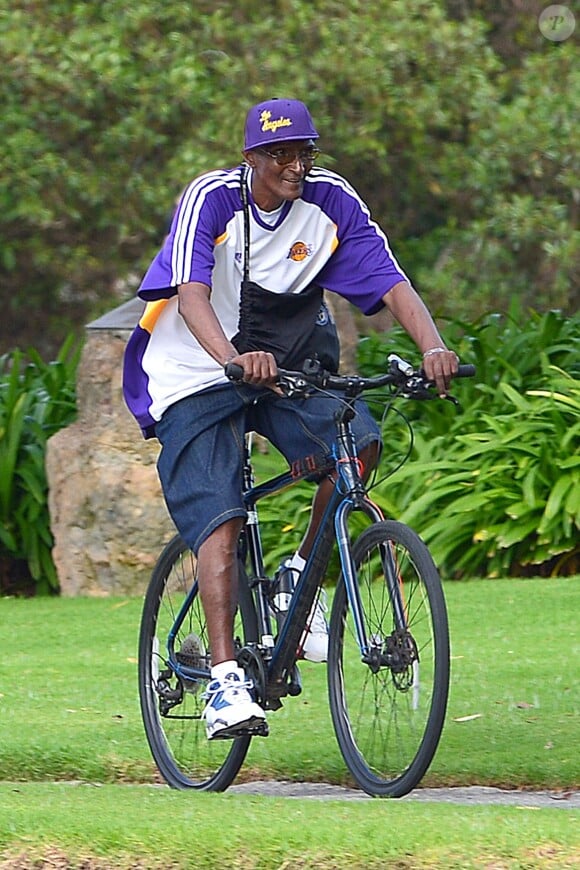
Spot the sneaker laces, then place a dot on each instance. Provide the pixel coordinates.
(215, 686)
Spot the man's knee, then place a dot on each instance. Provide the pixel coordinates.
(222, 542)
(369, 456)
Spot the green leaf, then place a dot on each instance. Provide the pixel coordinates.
(556, 495)
(572, 505)
(515, 533)
(521, 509)
(33, 485)
(514, 396)
(8, 541)
(569, 401)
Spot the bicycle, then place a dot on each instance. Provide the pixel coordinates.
(388, 659)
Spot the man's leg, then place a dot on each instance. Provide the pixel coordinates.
(231, 710)
(307, 429)
(217, 572)
(200, 467)
(300, 429)
(314, 643)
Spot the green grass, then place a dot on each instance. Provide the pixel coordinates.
(69, 706)
(69, 712)
(160, 828)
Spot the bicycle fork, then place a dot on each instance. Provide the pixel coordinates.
(357, 499)
(390, 573)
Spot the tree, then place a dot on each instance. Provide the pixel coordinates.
(109, 110)
(512, 228)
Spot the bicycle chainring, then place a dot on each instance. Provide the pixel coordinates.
(250, 659)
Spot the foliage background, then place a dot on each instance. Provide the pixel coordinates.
(36, 400)
(453, 119)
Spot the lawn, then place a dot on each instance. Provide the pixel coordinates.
(154, 827)
(78, 776)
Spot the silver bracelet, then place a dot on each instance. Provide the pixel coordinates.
(434, 350)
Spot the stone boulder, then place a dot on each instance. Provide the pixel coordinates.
(108, 516)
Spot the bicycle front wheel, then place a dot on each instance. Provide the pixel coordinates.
(388, 702)
(171, 707)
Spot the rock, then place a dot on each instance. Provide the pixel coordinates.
(108, 516)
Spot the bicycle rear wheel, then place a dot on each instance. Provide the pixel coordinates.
(172, 708)
(388, 712)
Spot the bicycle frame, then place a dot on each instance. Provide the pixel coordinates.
(349, 495)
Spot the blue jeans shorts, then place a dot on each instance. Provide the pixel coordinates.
(202, 438)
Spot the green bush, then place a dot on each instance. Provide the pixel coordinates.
(495, 490)
(36, 399)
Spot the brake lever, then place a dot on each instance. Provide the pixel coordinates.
(426, 392)
(416, 387)
(293, 386)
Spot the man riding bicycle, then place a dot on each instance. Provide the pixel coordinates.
(240, 279)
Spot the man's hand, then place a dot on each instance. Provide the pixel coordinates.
(260, 369)
(440, 364)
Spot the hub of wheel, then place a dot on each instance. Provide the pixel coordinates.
(401, 651)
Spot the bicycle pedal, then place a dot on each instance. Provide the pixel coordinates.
(258, 729)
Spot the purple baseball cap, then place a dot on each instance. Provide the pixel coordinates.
(278, 121)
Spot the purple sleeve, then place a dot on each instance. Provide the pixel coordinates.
(188, 251)
(136, 382)
(362, 268)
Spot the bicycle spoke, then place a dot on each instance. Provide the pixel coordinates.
(172, 706)
(388, 709)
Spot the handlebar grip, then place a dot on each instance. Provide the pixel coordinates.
(234, 372)
(465, 371)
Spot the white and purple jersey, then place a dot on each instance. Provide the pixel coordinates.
(327, 236)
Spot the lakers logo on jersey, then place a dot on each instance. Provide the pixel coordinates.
(299, 251)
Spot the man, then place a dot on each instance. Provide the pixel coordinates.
(307, 229)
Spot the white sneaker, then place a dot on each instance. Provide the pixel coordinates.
(314, 641)
(231, 711)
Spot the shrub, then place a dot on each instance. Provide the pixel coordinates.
(36, 399)
(496, 489)
(507, 496)
(455, 121)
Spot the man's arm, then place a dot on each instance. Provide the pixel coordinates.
(439, 363)
(198, 313)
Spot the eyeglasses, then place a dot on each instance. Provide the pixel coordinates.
(284, 156)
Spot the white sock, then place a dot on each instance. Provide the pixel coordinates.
(221, 670)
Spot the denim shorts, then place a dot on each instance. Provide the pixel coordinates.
(202, 438)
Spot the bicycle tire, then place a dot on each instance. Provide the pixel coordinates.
(177, 739)
(388, 723)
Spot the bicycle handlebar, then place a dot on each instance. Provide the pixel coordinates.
(411, 383)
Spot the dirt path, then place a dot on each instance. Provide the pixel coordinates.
(460, 795)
